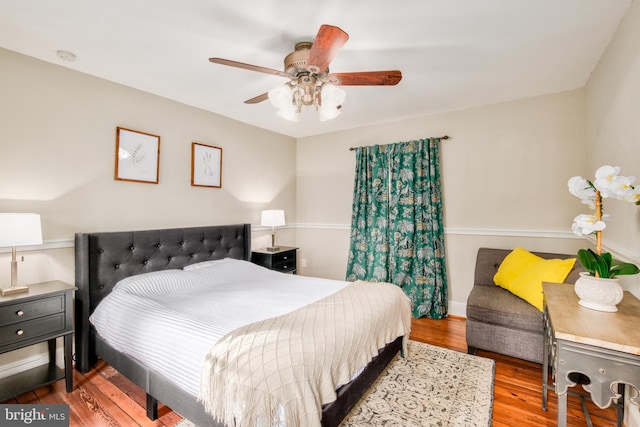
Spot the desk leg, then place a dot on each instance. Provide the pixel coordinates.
(620, 407)
(545, 370)
(68, 369)
(562, 409)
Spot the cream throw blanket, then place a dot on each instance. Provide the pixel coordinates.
(281, 371)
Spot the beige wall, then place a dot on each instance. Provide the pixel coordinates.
(613, 133)
(504, 172)
(57, 148)
(612, 101)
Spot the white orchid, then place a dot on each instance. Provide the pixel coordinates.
(581, 188)
(608, 184)
(621, 186)
(587, 224)
(605, 177)
(633, 196)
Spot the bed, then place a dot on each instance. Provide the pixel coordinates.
(106, 258)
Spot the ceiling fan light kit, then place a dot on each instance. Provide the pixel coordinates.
(310, 83)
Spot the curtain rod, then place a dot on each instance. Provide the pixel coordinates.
(442, 137)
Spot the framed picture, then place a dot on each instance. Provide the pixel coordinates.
(137, 156)
(206, 165)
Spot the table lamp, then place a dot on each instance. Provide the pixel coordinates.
(18, 229)
(272, 218)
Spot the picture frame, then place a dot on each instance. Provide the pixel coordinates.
(137, 156)
(206, 165)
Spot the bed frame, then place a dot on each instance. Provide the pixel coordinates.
(103, 259)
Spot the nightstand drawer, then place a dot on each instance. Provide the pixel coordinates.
(285, 266)
(21, 311)
(283, 258)
(23, 331)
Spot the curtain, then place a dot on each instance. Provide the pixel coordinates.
(397, 232)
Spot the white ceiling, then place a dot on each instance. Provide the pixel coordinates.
(453, 54)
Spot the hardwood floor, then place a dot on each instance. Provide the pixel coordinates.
(103, 397)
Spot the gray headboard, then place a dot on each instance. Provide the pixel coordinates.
(103, 259)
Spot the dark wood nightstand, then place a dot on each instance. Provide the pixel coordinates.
(283, 259)
(43, 314)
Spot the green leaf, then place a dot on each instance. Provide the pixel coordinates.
(624, 268)
(607, 259)
(587, 259)
(601, 264)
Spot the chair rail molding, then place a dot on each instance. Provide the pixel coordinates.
(506, 232)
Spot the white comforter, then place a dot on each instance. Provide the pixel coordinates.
(169, 320)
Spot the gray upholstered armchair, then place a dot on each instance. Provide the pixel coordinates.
(499, 321)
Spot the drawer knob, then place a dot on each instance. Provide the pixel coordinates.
(19, 332)
(19, 313)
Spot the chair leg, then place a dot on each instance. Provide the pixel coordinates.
(472, 350)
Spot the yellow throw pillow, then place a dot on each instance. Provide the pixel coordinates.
(517, 262)
(528, 285)
(523, 274)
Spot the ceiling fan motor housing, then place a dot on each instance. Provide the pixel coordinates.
(295, 63)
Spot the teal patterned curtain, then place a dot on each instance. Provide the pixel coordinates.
(397, 232)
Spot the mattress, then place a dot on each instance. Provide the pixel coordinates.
(170, 319)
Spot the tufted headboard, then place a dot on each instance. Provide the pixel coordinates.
(103, 259)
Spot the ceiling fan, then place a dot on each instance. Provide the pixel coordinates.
(310, 82)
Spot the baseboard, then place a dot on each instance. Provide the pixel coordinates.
(458, 309)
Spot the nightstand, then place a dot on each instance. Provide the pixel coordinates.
(43, 314)
(283, 259)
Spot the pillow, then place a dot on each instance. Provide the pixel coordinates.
(523, 275)
(204, 264)
(514, 265)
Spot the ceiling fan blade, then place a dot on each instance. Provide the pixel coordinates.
(258, 98)
(328, 42)
(366, 78)
(248, 67)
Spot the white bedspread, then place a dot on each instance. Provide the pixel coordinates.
(169, 320)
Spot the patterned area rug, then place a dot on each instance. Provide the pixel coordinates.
(434, 386)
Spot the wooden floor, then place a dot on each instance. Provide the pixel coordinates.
(103, 397)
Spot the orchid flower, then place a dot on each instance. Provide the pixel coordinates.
(608, 184)
(605, 175)
(622, 185)
(587, 224)
(582, 189)
(633, 196)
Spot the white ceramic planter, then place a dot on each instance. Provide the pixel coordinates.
(597, 293)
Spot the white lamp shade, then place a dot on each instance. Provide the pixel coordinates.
(332, 96)
(328, 113)
(272, 218)
(20, 229)
(281, 97)
(288, 113)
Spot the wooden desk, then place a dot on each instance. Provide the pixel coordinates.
(605, 347)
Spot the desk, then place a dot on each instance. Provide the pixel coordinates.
(605, 347)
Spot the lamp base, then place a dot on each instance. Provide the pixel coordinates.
(14, 290)
(273, 248)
